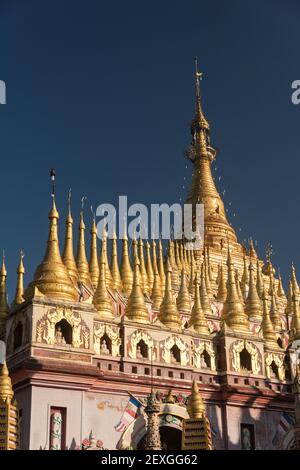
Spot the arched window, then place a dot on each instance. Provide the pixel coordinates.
(105, 344)
(205, 360)
(273, 370)
(142, 350)
(63, 332)
(175, 354)
(279, 342)
(18, 335)
(245, 358)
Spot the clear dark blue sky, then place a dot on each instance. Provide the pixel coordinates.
(104, 92)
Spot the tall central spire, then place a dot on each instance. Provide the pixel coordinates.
(203, 190)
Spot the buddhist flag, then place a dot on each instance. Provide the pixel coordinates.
(129, 415)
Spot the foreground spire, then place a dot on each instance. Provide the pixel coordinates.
(19, 295)
(195, 405)
(51, 277)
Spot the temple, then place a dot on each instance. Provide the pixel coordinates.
(112, 344)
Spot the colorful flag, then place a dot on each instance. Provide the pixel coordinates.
(284, 425)
(129, 415)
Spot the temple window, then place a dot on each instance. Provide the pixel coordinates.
(63, 332)
(18, 336)
(273, 370)
(205, 360)
(279, 342)
(175, 354)
(142, 350)
(245, 358)
(105, 345)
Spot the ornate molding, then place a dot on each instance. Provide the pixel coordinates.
(45, 327)
(279, 361)
(237, 347)
(134, 340)
(113, 333)
(182, 346)
(197, 355)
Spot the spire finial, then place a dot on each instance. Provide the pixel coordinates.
(19, 295)
(52, 176)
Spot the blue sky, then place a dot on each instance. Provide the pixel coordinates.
(104, 92)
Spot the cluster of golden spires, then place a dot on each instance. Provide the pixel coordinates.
(181, 286)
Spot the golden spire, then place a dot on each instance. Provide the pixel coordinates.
(252, 251)
(68, 255)
(177, 255)
(192, 278)
(203, 190)
(206, 275)
(295, 325)
(289, 305)
(102, 299)
(235, 316)
(183, 300)
(174, 274)
(274, 314)
(136, 309)
(168, 310)
(245, 279)
(126, 271)
(143, 271)
(280, 290)
(161, 265)
(238, 286)
(253, 305)
(267, 326)
(114, 266)
(259, 280)
(108, 276)
(94, 265)
(295, 285)
(6, 391)
(81, 259)
(19, 295)
(222, 289)
(198, 320)
(51, 277)
(195, 405)
(154, 258)
(4, 308)
(203, 294)
(149, 268)
(209, 267)
(156, 295)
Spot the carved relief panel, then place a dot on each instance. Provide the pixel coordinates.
(48, 332)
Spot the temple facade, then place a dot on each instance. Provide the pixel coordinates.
(88, 341)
